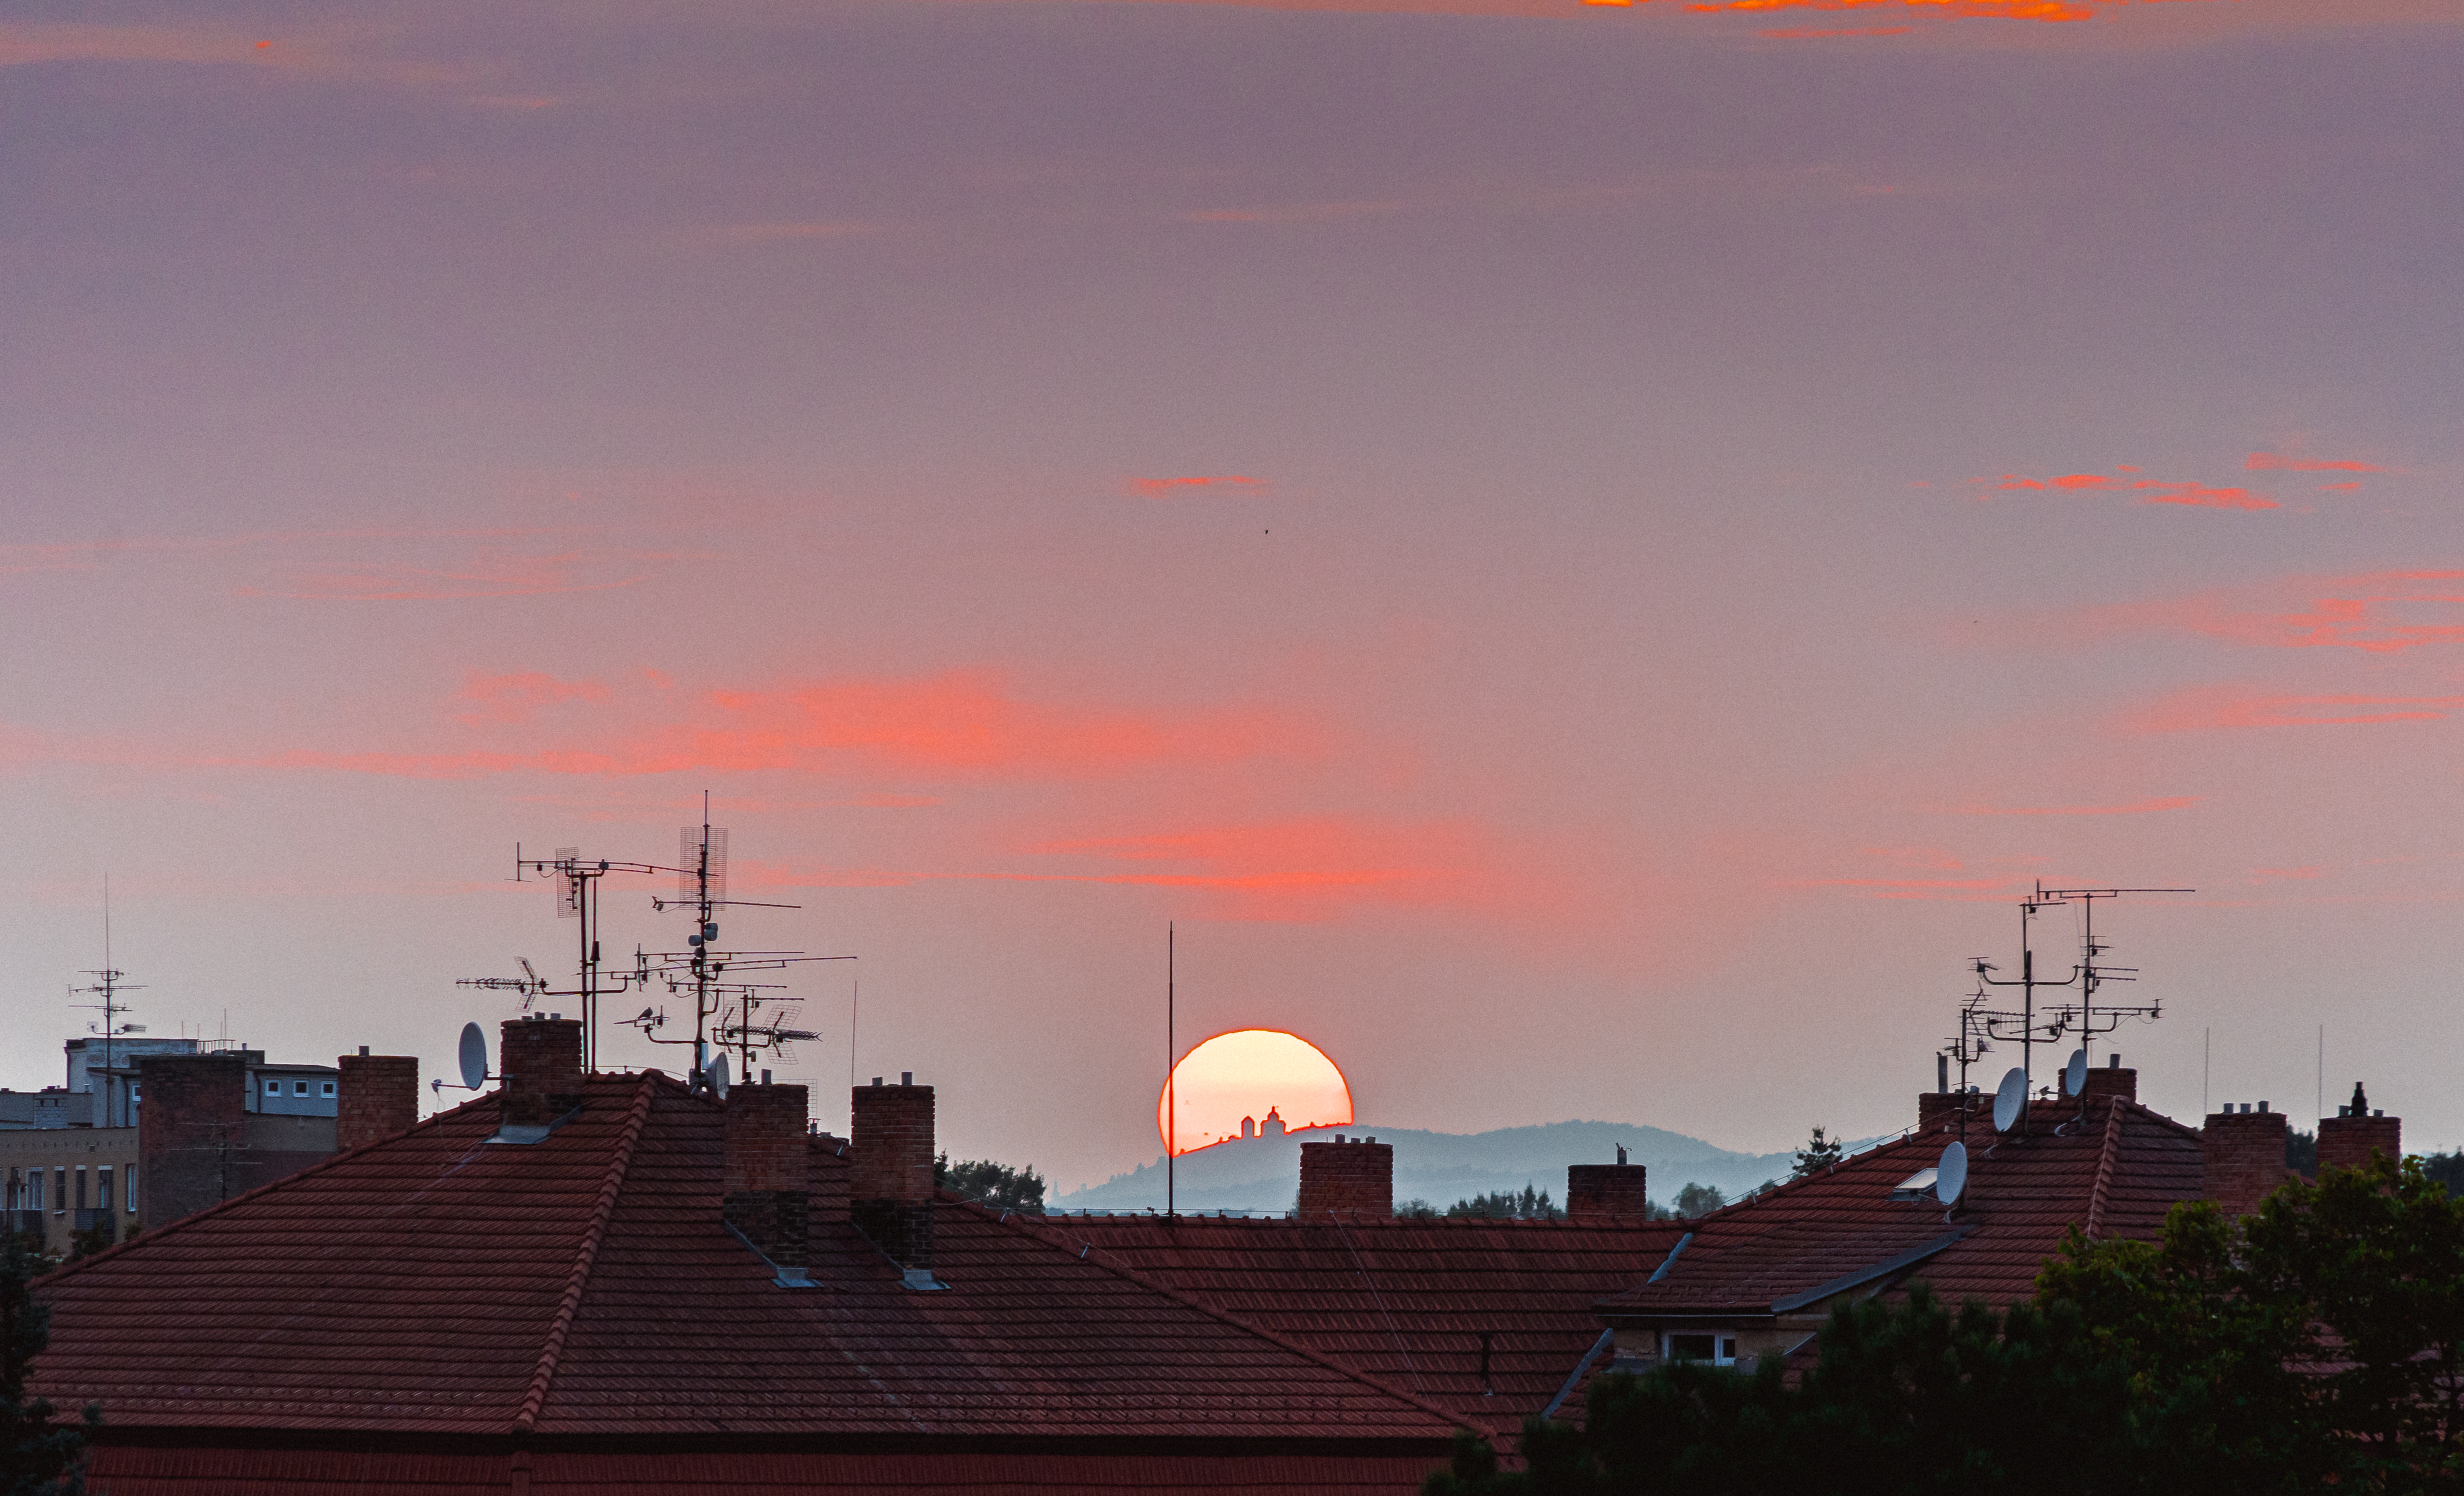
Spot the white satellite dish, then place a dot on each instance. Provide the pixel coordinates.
(1950, 1175)
(2010, 1100)
(2075, 1073)
(717, 1073)
(474, 1057)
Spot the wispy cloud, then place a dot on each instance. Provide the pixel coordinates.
(1998, 10)
(2135, 808)
(507, 699)
(2210, 707)
(2148, 490)
(1297, 213)
(788, 232)
(1168, 488)
(2276, 462)
(2379, 613)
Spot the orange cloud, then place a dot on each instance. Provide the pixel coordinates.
(1166, 488)
(2205, 707)
(2272, 462)
(2000, 10)
(2150, 491)
(2379, 613)
(1801, 32)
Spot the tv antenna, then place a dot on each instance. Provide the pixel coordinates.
(108, 986)
(1979, 1025)
(701, 970)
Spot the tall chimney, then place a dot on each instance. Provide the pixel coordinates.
(192, 1128)
(379, 1097)
(769, 1174)
(540, 1062)
(1356, 1177)
(2346, 1139)
(889, 1183)
(1606, 1191)
(2245, 1157)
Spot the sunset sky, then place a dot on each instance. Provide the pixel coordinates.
(1584, 554)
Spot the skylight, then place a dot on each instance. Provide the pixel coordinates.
(1915, 1186)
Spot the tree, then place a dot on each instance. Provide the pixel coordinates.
(38, 1456)
(1818, 1153)
(1909, 1397)
(2302, 1152)
(1415, 1210)
(1507, 1205)
(990, 1183)
(1699, 1200)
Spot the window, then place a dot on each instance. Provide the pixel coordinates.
(1718, 1350)
(272, 1089)
(59, 1191)
(102, 1188)
(81, 1185)
(34, 1189)
(328, 1089)
(128, 1190)
(299, 1088)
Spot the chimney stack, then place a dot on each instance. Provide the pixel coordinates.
(2346, 1139)
(1941, 1109)
(193, 1118)
(2113, 1081)
(769, 1175)
(2244, 1156)
(1357, 1177)
(539, 1062)
(379, 1097)
(1606, 1191)
(889, 1185)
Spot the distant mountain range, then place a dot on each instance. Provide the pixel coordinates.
(1264, 1173)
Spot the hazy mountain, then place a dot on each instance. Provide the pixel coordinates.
(1264, 1173)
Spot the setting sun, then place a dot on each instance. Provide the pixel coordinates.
(1245, 1075)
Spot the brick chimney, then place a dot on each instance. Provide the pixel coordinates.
(1355, 1177)
(2113, 1081)
(539, 1062)
(191, 1125)
(2244, 1156)
(769, 1173)
(890, 1179)
(379, 1097)
(1940, 1109)
(2346, 1139)
(1604, 1191)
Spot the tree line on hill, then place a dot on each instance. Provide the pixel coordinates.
(2317, 1344)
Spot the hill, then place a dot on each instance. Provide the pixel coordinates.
(1264, 1173)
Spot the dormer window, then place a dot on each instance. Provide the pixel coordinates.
(299, 1088)
(1718, 1350)
(274, 1088)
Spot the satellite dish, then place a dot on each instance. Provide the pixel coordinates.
(1950, 1175)
(474, 1057)
(2010, 1100)
(2075, 1073)
(717, 1073)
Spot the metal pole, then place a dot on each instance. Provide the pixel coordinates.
(1170, 1068)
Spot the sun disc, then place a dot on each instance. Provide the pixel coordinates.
(1249, 1075)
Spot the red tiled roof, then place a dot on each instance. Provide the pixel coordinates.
(584, 1286)
(136, 1471)
(1405, 1301)
(2122, 1169)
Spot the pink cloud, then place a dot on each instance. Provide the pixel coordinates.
(2150, 491)
(1806, 33)
(1167, 487)
(1307, 213)
(2379, 613)
(2205, 707)
(2273, 462)
(2133, 809)
(513, 698)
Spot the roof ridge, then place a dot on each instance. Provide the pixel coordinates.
(622, 1159)
(2154, 1116)
(219, 1206)
(1461, 1420)
(1757, 1196)
(2105, 1159)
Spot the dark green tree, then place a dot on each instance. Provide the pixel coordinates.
(1531, 1204)
(990, 1183)
(38, 1456)
(1699, 1200)
(1818, 1153)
